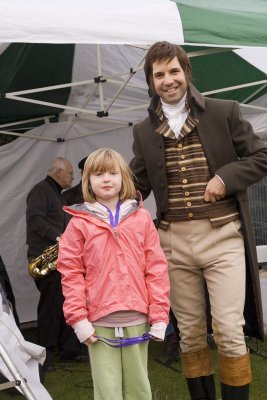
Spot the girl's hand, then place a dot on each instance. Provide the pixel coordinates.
(92, 339)
(156, 339)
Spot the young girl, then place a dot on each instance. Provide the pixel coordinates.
(114, 278)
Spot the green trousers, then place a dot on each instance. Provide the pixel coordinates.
(120, 373)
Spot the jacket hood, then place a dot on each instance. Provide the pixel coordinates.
(83, 210)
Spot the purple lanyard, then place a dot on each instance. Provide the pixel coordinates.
(114, 221)
(123, 342)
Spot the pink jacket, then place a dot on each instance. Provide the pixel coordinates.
(106, 270)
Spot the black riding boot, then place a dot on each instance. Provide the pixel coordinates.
(209, 385)
(234, 392)
(202, 388)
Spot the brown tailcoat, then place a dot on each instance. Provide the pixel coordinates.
(233, 152)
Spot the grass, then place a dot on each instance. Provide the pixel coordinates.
(73, 380)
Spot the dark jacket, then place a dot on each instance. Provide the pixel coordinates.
(233, 152)
(73, 195)
(45, 217)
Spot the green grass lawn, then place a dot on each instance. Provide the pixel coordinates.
(73, 381)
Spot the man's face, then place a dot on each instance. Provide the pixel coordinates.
(169, 80)
(66, 176)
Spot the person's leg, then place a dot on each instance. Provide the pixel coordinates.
(48, 325)
(225, 278)
(235, 375)
(187, 285)
(53, 332)
(47, 312)
(134, 366)
(106, 367)
(53, 324)
(188, 304)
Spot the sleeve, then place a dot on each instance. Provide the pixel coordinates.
(38, 202)
(83, 329)
(138, 166)
(158, 330)
(70, 265)
(157, 277)
(251, 165)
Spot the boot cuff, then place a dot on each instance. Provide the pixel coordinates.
(235, 371)
(196, 363)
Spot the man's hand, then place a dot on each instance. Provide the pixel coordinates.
(215, 190)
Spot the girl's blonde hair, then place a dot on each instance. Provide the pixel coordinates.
(104, 160)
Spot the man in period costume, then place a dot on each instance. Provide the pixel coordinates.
(198, 156)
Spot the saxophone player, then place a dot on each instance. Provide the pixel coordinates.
(45, 222)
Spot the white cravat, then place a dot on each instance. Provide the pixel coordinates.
(176, 114)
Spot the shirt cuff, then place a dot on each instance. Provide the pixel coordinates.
(158, 330)
(83, 329)
(220, 179)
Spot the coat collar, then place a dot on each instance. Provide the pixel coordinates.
(195, 98)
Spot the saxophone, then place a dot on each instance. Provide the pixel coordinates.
(42, 265)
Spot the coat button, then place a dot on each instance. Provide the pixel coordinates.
(162, 185)
(160, 164)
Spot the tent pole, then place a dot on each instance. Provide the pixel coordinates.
(99, 70)
(19, 380)
(234, 87)
(25, 135)
(77, 115)
(209, 51)
(98, 131)
(124, 84)
(46, 103)
(26, 121)
(254, 93)
(253, 107)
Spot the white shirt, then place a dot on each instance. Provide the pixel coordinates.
(176, 114)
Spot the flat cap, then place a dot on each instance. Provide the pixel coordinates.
(81, 163)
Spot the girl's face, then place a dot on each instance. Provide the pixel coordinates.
(106, 185)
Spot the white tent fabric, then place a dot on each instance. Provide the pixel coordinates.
(24, 355)
(104, 21)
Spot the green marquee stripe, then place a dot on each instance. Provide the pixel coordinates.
(29, 66)
(224, 22)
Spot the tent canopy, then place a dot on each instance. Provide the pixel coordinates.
(239, 23)
(78, 66)
(28, 69)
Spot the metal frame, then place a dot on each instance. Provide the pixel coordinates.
(105, 110)
(18, 379)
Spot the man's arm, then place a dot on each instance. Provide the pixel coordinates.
(38, 203)
(252, 152)
(138, 166)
